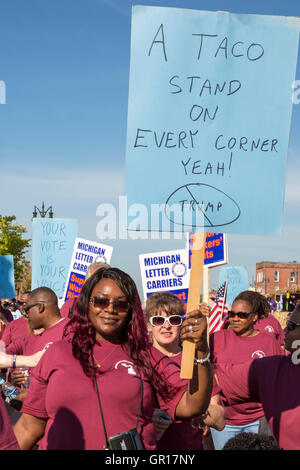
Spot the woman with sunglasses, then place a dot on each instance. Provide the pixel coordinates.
(274, 382)
(164, 314)
(105, 379)
(240, 343)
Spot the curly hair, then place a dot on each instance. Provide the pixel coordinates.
(251, 441)
(134, 337)
(257, 302)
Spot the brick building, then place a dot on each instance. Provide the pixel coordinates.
(272, 276)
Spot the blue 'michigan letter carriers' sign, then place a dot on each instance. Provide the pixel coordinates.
(165, 271)
(7, 279)
(52, 247)
(85, 252)
(209, 113)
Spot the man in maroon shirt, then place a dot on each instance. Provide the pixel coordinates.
(42, 311)
(17, 328)
(274, 382)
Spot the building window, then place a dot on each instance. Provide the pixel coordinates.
(260, 276)
(276, 276)
(292, 276)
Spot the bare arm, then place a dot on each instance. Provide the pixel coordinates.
(21, 361)
(28, 430)
(196, 399)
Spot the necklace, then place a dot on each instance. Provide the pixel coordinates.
(106, 357)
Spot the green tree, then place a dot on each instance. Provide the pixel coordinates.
(12, 243)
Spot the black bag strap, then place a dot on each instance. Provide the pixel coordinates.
(100, 407)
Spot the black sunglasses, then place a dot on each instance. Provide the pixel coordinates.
(241, 315)
(291, 325)
(25, 310)
(119, 306)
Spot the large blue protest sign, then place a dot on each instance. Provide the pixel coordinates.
(52, 247)
(237, 281)
(7, 280)
(209, 116)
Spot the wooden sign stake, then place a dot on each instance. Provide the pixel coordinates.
(197, 262)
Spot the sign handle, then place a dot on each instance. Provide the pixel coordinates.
(195, 284)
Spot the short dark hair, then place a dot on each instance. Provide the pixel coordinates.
(251, 441)
(166, 301)
(257, 302)
(46, 293)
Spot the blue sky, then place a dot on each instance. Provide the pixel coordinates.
(65, 64)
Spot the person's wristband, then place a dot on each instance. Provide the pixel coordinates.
(14, 359)
(202, 361)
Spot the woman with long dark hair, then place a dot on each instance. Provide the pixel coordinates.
(105, 379)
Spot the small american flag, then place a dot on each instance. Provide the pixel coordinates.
(218, 315)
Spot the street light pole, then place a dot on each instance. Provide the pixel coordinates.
(42, 212)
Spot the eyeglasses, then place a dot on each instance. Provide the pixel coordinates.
(25, 310)
(158, 320)
(241, 315)
(291, 325)
(119, 306)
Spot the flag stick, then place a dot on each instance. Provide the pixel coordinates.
(195, 284)
(225, 292)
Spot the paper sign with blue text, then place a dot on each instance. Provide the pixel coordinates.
(7, 279)
(85, 252)
(52, 247)
(216, 251)
(165, 271)
(209, 114)
(237, 281)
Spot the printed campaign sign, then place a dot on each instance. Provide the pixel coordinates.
(165, 271)
(216, 252)
(7, 279)
(237, 281)
(84, 253)
(209, 114)
(52, 246)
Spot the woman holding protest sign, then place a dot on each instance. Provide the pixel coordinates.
(240, 343)
(109, 347)
(164, 314)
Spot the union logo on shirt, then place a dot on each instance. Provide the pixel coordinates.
(269, 328)
(258, 354)
(128, 365)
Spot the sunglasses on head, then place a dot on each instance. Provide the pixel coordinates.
(158, 320)
(241, 315)
(291, 325)
(118, 305)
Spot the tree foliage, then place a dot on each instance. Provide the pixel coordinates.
(12, 243)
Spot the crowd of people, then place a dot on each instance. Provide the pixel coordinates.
(103, 372)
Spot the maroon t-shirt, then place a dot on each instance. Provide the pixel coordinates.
(61, 393)
(275, 382)
(67, 306)
(227, 347)
(15, 329)
(271, 326)
(30, 344)
(185, 435)
(7, 437)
